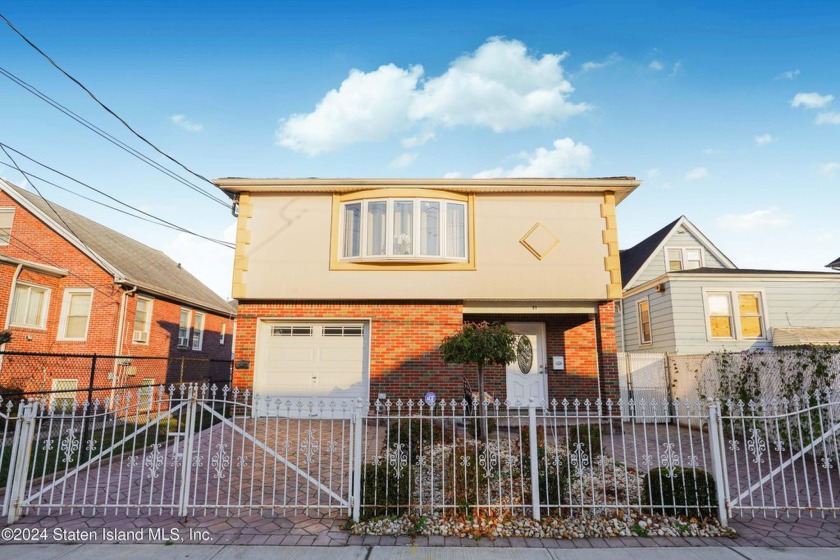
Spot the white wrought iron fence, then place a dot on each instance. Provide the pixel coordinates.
(192, 450)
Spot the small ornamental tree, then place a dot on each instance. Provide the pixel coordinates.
(481, 344)
(5, 336)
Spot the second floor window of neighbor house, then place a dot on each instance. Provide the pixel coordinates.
(747, 323)
(142, 320)
(644, 322)
(684, 259)
(198, 331)
(184, 329)
(405, 229)
(7, 216)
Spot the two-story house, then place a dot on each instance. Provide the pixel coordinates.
(347, 287)
(71, 286)
(683, 295)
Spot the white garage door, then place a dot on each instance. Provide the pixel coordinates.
(311, 363)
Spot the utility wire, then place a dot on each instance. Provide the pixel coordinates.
(27, 248)
(70, 229)
(154, 220)
(107, 136)
(94, 189)
(101, 104)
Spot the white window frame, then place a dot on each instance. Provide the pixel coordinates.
(45, 306)
(64, 393)
(186, 338)
(222, 332)
(734, 309)
(145, 394)
(198, 332)
(6, 237)
(65, 309)
(147, 327)
(642, 341)
(416, 230)
(683, 259)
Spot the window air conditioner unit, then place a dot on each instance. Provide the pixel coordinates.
(141, 336)
(183, 341)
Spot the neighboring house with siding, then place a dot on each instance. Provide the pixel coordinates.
(682, 295)
(347, 287)
(69, 285)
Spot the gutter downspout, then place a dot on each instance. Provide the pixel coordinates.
(120, 332)
(9, 308)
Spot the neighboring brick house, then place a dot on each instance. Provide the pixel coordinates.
(69, 285)
(347, 287)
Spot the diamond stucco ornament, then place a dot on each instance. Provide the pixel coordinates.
(540, 241)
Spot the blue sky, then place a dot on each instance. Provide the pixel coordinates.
(728, 112)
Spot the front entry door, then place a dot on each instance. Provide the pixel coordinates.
(526, 375)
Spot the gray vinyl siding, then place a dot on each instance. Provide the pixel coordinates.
(789, 303)
(686, 240)
(661, 324)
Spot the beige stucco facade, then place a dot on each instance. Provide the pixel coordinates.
(287, 248)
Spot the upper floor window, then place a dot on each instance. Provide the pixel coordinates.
(222, 332)
(7, 216)
(644, 322)
(735, 315)
(404, 229)
(29, 308)
(198, 331)
(75, 314)
(184, 329)
(684, 258)
(142, 320)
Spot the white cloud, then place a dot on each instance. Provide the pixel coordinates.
(597, 65)
(696, 174)
(418, 139)
(452, 175)
(368, 106)
(828, 117)
(204, 259)
(500, 86)
(763, 140)
(183, 122)
(789, 75)
(653, 173)
(676, 68)
(566, 159)
(812, 100)
(769, 218)
(403, 160)
(829, 169)
(656, 66)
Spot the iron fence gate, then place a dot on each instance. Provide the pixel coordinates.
(191, 450)
(187, 450)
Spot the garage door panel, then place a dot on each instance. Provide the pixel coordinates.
(311, 362)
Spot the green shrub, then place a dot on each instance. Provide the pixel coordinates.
(589, 435)
(10, 393)
(385, 490)
(685, 492)
(525, 440)
(474, 423)
(416, 435)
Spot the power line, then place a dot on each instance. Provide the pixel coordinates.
(27, 177)
(101, 104)
(82, 183)
(107, 136)
(154, 220)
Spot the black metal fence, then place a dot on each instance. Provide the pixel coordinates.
(87, 377)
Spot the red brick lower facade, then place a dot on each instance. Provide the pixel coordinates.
(405, 336)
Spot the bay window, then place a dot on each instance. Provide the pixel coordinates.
(403, 229)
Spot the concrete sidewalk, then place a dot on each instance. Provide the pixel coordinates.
(234, 552)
